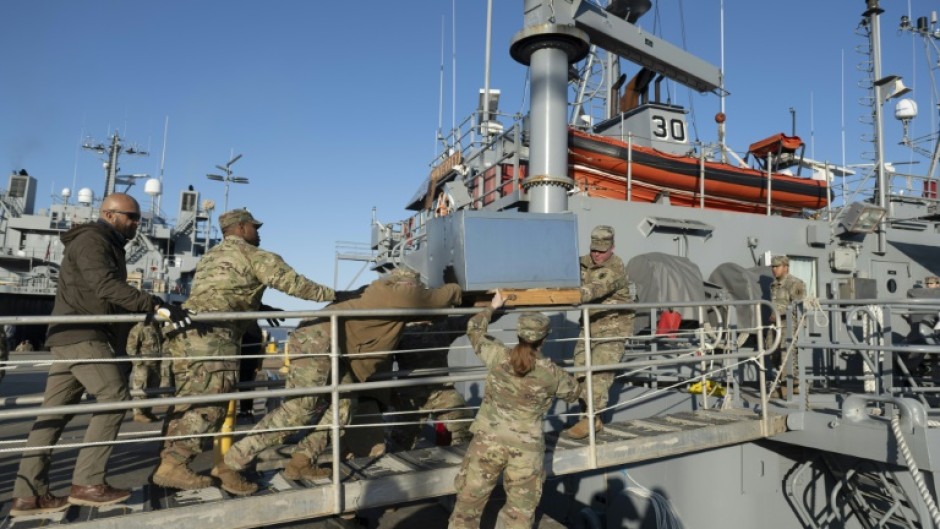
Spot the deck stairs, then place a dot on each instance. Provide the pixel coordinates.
(401, 477)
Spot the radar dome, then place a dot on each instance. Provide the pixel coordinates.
(153, 187)
(66, 192)
(86, 196)
(905, 110)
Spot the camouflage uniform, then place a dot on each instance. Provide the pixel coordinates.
(604, 284)
(144, 341)
(230, 277)
(425, 346)
(784, 291)
(507, 431)
(370, 334)
(310, 368)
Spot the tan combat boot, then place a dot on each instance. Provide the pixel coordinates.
(144, 416)
(299, 467)
(582, 428)
(232, 480)
(173, 473)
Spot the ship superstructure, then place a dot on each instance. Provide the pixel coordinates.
(160, 259)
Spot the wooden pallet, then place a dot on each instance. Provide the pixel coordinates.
(534, 297)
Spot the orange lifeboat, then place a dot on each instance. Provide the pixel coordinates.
(599, 164)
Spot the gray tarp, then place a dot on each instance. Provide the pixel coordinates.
(741, 284)
(661, 278)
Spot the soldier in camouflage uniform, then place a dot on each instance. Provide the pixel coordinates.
(507, 433)
(310, 342)
(603, 282)
(144, 341)
(424, 345)
(231, 277)
(785, 290)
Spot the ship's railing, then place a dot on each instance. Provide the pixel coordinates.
(704, 349)
(908, 185)
(854, 346)
(473, 134)
(478, 168)
(901, 186)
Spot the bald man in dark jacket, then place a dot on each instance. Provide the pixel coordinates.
(92, 280)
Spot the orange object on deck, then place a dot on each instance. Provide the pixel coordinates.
(776, 144)
(599, 165)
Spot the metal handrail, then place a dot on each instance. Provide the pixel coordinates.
(335, 389)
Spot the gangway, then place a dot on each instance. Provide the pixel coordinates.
(402, 477)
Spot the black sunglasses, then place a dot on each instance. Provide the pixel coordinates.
(129, 214)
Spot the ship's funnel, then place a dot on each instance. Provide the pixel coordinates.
(22, 192)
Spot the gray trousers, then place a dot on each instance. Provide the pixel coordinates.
(65, 384)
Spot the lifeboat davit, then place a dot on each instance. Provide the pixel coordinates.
(599, 166)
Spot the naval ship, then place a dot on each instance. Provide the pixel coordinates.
(161, 259)
(702, 430)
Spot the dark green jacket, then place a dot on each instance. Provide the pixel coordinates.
(93, 280)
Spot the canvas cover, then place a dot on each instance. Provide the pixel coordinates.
(741, 284)
(661, 278)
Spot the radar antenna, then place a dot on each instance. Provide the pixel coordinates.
(113, 150)
(228, 178)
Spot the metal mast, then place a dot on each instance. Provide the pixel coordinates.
(228, 178)
(111, 166)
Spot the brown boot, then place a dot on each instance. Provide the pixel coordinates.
(582, 428)
(173, 473)
(46, 503)
(97, 495)
(232, 480)
(299, 467)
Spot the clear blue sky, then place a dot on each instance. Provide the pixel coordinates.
(334, 105)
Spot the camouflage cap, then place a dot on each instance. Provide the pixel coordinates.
(780, 260)
(236, 216)
(602, 238)
(533, 326)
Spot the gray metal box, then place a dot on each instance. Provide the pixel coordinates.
(842, 260)
(858, 288)
(817, 235)
(504, 249)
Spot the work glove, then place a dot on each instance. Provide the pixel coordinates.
(273, 322)
(170, 314)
